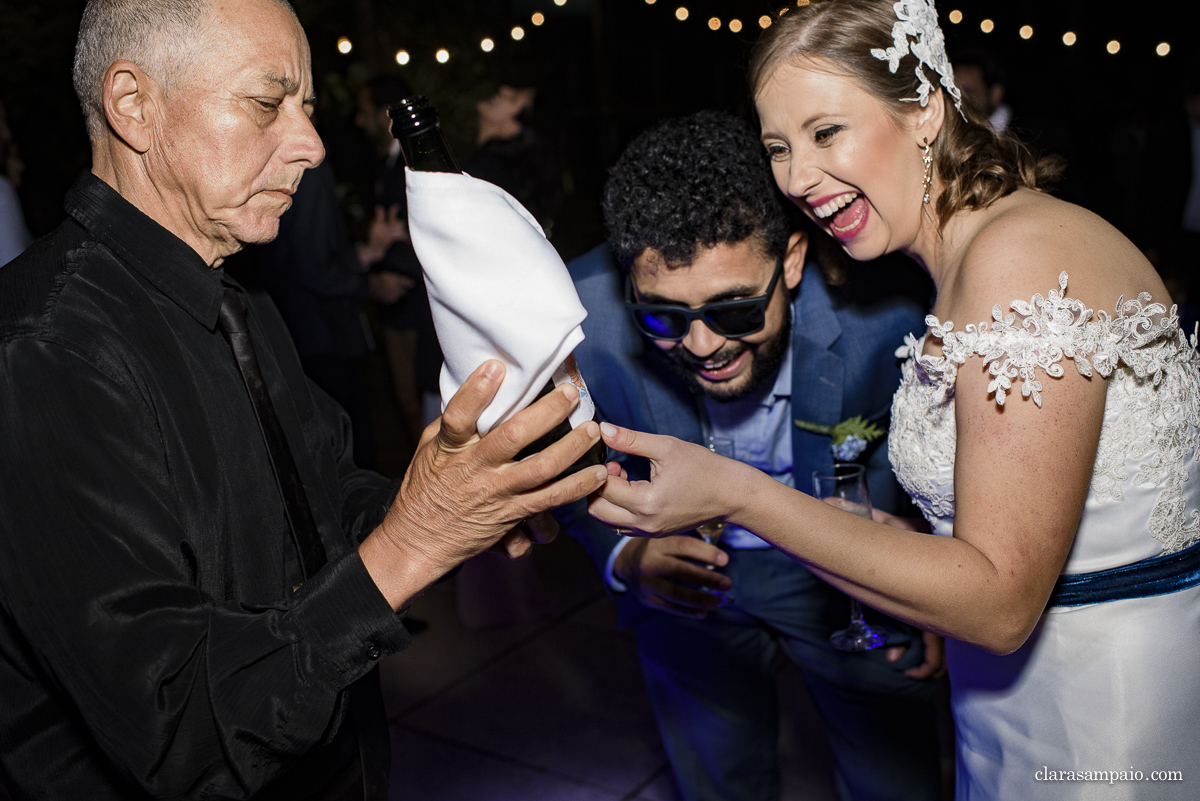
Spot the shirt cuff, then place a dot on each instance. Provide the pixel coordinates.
(614, 583)
(346, 619)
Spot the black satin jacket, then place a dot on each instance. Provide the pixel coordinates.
(151, 642)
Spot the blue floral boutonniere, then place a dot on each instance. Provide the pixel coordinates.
(849, 437)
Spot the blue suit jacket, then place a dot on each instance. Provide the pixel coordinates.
(843, 365)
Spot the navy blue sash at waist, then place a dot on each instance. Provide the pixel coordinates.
(1158, 575)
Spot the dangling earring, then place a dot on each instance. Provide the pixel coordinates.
(928, 159)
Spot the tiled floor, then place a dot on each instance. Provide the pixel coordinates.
(545, 702)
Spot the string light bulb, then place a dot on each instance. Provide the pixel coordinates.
(682, 13)
(344, 45)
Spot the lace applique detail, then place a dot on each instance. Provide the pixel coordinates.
(1150, 437)
(921, 439)
(1050, 329)
(1152, 430)
(917, 19)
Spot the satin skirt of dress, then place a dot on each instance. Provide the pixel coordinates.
(1106, 687)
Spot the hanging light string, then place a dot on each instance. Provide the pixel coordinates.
(487, 44)
(735, 25)
(1068, 38)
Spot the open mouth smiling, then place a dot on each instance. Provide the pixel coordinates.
(846, 213)
(834, 205)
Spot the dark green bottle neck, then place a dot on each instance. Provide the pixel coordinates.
(415, 125)
(428, 152)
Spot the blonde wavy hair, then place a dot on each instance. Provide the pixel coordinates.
(976, 165)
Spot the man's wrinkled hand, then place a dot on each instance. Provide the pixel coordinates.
(656, 571)
(463, 493)
(540, 529)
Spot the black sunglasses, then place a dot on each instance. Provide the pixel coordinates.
(729, 318)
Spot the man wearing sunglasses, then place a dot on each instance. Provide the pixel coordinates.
(706, 321)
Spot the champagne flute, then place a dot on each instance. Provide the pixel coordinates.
(846, 486)
(710, 530)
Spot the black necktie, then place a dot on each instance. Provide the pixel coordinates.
(365, 697)
(236, 327)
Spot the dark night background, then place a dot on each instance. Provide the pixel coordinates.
(607, 68)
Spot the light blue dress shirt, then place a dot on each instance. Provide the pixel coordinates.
(760, 430)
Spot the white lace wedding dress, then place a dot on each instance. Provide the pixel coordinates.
(1111, 686)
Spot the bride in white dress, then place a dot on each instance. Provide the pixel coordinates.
(1047, 424)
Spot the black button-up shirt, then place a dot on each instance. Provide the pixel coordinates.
(151, 642)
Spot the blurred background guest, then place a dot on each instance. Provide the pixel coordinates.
(397, 284)
(982, 79)
(14, 236)
(1170, 178)
(978, 76)
(511, 154)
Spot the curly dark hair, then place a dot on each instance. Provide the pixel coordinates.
(690, 183)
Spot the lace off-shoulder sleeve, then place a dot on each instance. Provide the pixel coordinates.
(1041, 332)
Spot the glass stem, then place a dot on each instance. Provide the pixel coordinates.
(856, 612)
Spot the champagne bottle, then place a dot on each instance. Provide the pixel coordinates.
(415, 124)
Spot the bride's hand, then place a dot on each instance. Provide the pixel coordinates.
(688, 485)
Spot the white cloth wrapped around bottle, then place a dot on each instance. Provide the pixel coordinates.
(497, 289)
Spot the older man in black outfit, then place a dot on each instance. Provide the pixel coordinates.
(196, 582)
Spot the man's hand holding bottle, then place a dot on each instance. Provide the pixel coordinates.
(464, 493)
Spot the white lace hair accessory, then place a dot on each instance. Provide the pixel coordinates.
(918, 19)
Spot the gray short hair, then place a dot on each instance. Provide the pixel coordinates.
(163, 37)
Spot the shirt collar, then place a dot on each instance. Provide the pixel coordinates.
(162, 258)
(783, 380)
